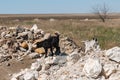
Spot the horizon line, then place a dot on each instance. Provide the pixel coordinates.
(54, 13)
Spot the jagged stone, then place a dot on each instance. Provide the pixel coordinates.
(34, 55)
(109, 69)
(45, 66)
(115, 76)
(49, 60)
(114, 54)
(40, 50)
(73, 57)
(8, 36)
(36, 66)
(30, 75)
(3, 35)
(22, 49)
(23, 35)
(67, 45)
(43, 77)
(56, 60)
(92, 67)
(24, 45)
(26, 75)
(30, 35)
(20, 29)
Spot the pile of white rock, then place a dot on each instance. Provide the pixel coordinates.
(94, 65)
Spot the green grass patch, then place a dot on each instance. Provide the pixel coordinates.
(78, 30)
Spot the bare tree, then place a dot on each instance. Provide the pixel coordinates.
(101, 12)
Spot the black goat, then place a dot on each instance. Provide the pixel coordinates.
(52, 42)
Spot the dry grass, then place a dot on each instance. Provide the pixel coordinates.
(107, 33)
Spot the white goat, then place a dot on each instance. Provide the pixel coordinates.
(91, 45)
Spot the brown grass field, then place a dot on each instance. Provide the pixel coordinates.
(74, 26)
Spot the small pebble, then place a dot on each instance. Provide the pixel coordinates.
(8, 64)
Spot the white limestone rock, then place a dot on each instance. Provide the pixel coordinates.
(73, 57)
(115, 76)
(109, 69)
(114, 54)
(43, 77)
(36, 66)
(92, 68)
(3, 35)
(34, 55)
(31, 75)
(26, 74)
(34, 28)
(56, 60)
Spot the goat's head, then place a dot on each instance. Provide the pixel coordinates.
(57, 33)
(95, 39)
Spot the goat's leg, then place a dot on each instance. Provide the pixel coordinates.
(46, 50)
(51, 51)
(57, 52)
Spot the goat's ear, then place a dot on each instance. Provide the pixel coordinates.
(95, 39)
(57, 33)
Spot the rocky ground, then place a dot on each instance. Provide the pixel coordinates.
(19, 61)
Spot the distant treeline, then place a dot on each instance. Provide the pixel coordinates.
(54, 16)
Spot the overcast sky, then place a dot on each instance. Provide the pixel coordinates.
(54, 6)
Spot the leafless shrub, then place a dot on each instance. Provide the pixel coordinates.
(101, 11)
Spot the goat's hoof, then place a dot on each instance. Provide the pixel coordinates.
(45, 57)
(57, 53)
(51, 54)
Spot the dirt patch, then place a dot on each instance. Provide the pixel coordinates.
(13, 66)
